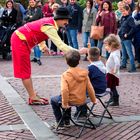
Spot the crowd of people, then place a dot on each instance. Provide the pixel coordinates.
(123, 22)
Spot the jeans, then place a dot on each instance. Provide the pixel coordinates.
(137, 51)
(127, 50)
(100, 46)
(56, 106)
(72, 37)
(86, 35)
(37, 52)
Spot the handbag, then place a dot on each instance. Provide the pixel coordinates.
(97, 32)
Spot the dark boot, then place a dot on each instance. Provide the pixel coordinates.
(115, 102)
(34, 60)
(115, 97)
(39, 62)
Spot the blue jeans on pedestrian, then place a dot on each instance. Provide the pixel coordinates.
(37, 52)
(72, 37)
(127, 50)
(86, 35)
(56, 106)
(100, 46)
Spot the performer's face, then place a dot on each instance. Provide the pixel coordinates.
(62, 22)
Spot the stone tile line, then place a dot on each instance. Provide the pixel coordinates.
(58, 76)
(12, 127)
(127, 118)
(28, 116)
(37, 76)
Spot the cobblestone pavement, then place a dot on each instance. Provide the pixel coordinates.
(46, 79)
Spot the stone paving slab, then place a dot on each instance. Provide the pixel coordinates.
(11, 125)
(16, 135)
(8, 115)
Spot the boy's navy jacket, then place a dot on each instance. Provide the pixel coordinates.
(98, 79)
(76, 13)
(127, 26)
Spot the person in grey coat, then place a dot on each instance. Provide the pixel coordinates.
(89, 17)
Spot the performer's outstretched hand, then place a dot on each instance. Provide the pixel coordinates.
(83, 50)
(46, 51)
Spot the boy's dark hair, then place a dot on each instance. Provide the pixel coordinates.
(72, 58)
(94, 54)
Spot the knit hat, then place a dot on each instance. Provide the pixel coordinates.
(62, 13)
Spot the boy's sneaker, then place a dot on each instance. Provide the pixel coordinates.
(55, 125)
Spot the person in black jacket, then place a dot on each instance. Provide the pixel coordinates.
(9, 14)
(136, 41)
(33, 12)
(75, 23)
(8, 25)
(126, 34)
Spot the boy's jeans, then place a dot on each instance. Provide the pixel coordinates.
(127, 50)
(37, 52)
(56, 104)
(86, 35)
(72, 37)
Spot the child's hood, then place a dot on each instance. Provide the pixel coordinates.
(77, 73)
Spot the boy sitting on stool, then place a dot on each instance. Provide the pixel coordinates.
(74, 83)
(97, 76)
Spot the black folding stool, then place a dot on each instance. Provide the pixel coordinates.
(85, 124)
(105, 106)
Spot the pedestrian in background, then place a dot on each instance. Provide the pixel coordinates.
(106, 17)
(126, 33)
(89, 18)
(75, 23)
(136, 40)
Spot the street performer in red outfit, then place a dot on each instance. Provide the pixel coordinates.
(29, 35)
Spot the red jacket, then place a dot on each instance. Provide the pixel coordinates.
(47, 11)
(108, 20)
(32, 31)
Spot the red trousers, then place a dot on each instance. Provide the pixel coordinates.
(21, 57)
